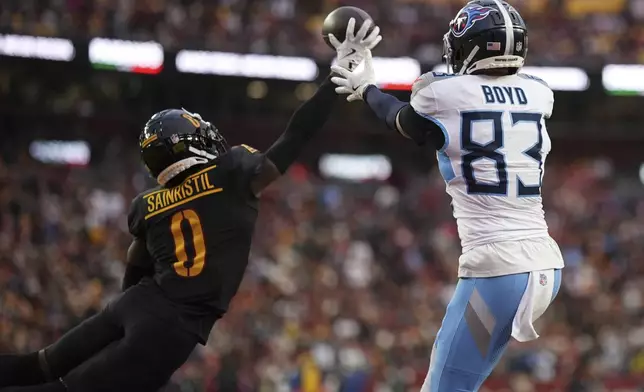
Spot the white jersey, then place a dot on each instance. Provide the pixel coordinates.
(493, 159)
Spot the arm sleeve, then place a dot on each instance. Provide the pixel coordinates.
(419, 128)
(402, 117)
(384, 106)
(303, 126)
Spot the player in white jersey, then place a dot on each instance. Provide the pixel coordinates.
(487, 124)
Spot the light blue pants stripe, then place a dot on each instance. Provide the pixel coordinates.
(476, 331)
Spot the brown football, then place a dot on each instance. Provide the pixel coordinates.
(336, 22)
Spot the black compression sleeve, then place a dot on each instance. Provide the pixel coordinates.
(384, 106)
(304, 124)
(401, 117)
(420, 129)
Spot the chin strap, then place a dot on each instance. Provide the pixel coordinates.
(468, 60)
(179, 167)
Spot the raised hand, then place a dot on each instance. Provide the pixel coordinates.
(352, 51)
(354, 82)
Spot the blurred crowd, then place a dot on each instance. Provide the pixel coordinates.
(581, 32)
(347, 283)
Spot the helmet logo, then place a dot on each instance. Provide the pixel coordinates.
(192, 120)
(519, 46)
(467, 17)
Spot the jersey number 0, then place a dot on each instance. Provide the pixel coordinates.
(183, 267)
(490, 150)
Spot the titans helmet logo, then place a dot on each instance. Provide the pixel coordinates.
(466, 18)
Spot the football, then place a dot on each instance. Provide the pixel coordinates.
(336, 22)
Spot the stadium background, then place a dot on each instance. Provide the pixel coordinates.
(355, 254)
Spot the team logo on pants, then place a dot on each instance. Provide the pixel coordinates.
(543, 279)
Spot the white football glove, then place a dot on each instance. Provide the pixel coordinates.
(355, 83)
(351, 52)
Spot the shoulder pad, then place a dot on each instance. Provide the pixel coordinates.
(135, 218)
(428, 78)
(241, 151)
(440, 75)
(536, 79)
(242, 154)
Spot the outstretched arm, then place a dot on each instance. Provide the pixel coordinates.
(397, 115)
(303, 126)
(312, 115)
